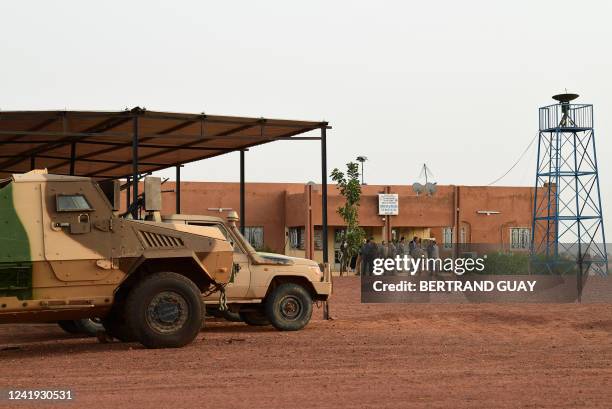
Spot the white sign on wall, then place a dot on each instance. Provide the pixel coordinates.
(388, 204)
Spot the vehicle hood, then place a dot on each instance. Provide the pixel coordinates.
(286, 260)
(205, 231)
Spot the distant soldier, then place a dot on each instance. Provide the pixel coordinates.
(401, 247)
(382, 250)
(359, 262)
(433, 252)
(391, 252)
(412, 246)
(369, 254)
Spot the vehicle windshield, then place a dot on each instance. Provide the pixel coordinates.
(232, 237)
(244, 241)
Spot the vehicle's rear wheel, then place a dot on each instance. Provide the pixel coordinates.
(165, 311)
(226, 314)
(254, 318)
(213, 312)
(89, 326)
(69, 326)
(289, 307)
(231, 316)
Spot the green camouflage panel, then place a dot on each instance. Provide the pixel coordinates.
(15, 259)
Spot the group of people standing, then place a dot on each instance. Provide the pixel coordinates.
(370, 250)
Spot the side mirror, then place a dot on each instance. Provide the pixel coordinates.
(152, 194)
(112, 191)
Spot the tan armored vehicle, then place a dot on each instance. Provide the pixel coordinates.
(65, 254)
(267, 288)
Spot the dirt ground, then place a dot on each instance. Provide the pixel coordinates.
(368, 356)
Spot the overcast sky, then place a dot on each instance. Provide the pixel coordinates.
(454, 84)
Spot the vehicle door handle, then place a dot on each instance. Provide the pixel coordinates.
(57, 226)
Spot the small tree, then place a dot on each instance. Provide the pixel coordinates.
(350, 188)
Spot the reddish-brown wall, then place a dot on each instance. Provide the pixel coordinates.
(514, 204)
(276, 206)
(265, 204)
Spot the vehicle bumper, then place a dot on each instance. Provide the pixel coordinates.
(323, 289)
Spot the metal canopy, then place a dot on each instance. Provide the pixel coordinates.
(132, 143)
(103, 145)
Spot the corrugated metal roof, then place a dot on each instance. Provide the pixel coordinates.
(102, 141)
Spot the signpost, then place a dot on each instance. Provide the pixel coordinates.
(388, 204)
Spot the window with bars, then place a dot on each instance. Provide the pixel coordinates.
(296, 237)
(318, 238)
(519, 238)
(255, 236)
(447, 237)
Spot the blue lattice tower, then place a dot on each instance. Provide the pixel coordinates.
(567, 215)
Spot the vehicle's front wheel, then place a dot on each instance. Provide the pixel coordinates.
(165, 311)
(289, 307)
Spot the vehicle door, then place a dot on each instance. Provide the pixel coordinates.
(77, 230)
(242, 278)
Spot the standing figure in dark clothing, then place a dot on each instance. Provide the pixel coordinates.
(370, 251)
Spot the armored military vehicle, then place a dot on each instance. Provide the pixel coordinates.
(267, 288)
(66, 254)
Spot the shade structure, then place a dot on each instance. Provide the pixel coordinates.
(103, 145)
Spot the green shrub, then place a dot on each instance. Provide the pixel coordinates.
(506, 263)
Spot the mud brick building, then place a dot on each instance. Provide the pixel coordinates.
(286, 217)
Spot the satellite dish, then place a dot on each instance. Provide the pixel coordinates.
(431, 188)
(418, 188)
(565, 98)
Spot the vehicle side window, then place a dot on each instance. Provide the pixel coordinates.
(72, 203)
(223, 231)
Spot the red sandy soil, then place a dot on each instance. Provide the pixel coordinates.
(409, 355)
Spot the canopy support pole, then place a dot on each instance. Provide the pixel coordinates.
(128, 191)
(324, 192)
(177, 189)
(135, 167)
(324, 210)
(242, 194)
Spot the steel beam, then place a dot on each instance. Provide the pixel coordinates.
(135, 165)
(324, 192)
(144, 139)
(242, 194)
(101, 127)
(109, 161)
(128, 192)
(17, 135)
(324, 210)
(121, 145)
(177, 189)
(85, 160)
(188, 144)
